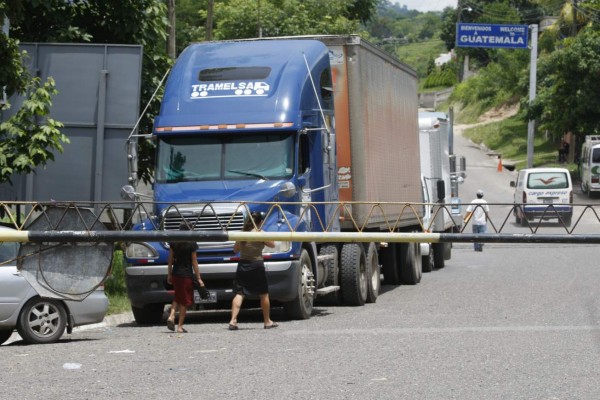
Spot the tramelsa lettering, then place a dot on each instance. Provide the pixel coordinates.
(238, 89)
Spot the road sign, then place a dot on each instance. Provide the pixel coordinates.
(491, 35)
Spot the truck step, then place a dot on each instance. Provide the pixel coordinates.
(327, 289)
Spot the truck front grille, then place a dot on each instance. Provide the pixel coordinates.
(204, 220)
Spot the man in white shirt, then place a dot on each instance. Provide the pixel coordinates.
(478, 211)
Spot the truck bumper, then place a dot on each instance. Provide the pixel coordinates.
(147, 284)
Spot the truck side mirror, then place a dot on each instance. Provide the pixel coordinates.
(441, 189)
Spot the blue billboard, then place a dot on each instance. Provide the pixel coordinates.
(492, 35)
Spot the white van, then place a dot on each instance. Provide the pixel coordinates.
(589, 165)
(545, 193)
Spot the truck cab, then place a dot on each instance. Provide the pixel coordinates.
(239, 127)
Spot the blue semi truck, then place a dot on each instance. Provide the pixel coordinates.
(307, 122)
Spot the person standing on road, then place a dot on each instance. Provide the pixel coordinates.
(250, 276)
(478, 211)
(182, 270)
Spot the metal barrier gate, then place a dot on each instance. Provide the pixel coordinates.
(57, 236)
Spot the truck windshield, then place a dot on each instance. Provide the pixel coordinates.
(219, 157)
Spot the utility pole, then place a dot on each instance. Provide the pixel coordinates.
(6, 31)
(259, 22)
(209, 20)
(171, 51)
(532, 86)
(574, 22)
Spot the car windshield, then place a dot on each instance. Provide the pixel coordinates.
(547, 180)
(219, 157)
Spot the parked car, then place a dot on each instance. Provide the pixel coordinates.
(38, 319)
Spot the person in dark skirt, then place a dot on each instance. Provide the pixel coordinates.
(182, 270)
(250, 276)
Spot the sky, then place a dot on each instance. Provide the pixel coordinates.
(426, 5)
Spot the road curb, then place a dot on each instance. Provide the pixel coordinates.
(109, 320)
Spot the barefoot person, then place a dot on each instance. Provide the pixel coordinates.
(250, 276)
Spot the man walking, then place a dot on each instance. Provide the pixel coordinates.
(478, 211)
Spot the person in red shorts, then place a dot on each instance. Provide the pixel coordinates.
(182, 270)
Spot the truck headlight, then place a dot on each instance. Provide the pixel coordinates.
(280, 247)
(140, 250)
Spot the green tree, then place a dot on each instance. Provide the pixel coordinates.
(105, 21)
(243, 19)
(568, 98)
(29, 137)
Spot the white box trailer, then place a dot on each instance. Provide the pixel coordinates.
(376, 117)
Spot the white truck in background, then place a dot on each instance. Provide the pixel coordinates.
(440, 180)
(589, 165)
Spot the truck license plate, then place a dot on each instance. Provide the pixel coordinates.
(212, 297)
(548, 201)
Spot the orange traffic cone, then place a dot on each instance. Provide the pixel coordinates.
(499, 164)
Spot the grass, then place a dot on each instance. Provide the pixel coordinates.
(118, 303)
(509, 138)
(114, 286)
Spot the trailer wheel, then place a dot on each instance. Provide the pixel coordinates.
(389, 261)
(373, 275)
(333, 273)
(301, 307)
(149, 314)
(354, 274)
(447, 251)
(410, 263)
(427, 261)
(438, 255)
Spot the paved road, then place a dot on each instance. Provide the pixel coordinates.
(513, 322)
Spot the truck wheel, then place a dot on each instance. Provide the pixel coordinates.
(389, 261)
(302, 306)
(438, 255)
(427, 261)
(332, 265)
(149, 314)
(354, 274)
(410, 264)
(333, 273)
(447, 251)
(524, 220)
(373, 275)
(42, 320)
(567, 220)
